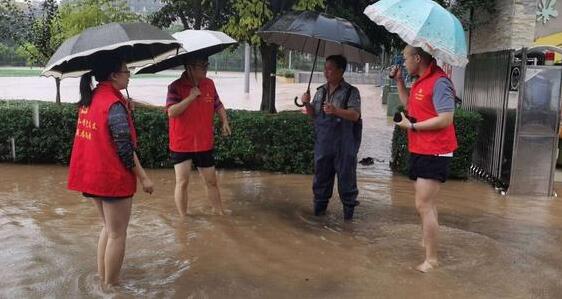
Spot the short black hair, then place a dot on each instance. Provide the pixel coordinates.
(339, 60)
(426, 57)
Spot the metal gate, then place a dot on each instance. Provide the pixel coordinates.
(536, 131)
(487, 91)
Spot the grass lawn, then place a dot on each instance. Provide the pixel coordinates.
(20, 72)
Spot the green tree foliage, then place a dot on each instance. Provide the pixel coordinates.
(352, 10)
(76, 16)
(249, 16)
(33, 29)
(9, 55)
(193, 14)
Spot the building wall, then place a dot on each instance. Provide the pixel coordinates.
(548, 31)
(552, 24)
(512, 27)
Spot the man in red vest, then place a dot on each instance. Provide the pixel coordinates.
(431, 138)
(192, 102)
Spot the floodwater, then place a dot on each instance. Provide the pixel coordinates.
(153, 88)
(271, 246)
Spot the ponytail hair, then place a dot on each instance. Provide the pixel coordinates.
(102, 70)
(85, 90)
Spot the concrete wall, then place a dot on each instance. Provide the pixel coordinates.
(512, 27)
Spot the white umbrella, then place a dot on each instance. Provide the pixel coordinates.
(194, 42)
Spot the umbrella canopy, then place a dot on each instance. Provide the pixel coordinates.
(194, 42)
(138, 43)
(425, 24)
(319, 34)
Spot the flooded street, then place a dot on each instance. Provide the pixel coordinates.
(271, 246)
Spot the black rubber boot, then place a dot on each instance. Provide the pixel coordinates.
(320, 209)
(348, 212)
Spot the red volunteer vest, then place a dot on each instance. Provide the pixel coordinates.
(192, 131)
(95, 167)
(420, 106)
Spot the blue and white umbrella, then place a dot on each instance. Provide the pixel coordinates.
(425, 24)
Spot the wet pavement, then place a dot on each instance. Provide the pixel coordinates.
(271, 246)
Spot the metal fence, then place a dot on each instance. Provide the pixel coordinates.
(487, 91)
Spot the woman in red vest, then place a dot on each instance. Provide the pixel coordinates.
(431, 138)
(104, 165)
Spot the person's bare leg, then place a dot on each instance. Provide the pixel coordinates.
(210, 176)
(117, 216)
(426, 192)
(182, 171)
(102, 242)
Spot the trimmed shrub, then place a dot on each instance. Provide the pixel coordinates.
(466, 126)
(287, 73)
(275, 142)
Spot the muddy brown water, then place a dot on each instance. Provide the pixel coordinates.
(271, 246)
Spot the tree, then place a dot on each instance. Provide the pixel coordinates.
(249, 16)
(33, 29)
(193, 14)
(352, 10)
(74, 17)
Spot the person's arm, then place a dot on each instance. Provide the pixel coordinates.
(118, 121)
(175, 110)
(353, 111)
(146, 182)
(396, 73)
(441, 121)
(143, 104)
(348, 114)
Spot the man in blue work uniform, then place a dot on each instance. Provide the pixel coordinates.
(336, 110)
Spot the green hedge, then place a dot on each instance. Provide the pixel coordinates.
(275, 142)
(287, 73)
(466, 125)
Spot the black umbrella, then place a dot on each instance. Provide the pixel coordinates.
(319, 34)
(138, 43)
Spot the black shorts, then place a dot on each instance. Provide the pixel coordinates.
(200, 159)
(429, 167)
(105, 198)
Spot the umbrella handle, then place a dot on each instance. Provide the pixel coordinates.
(297, 103)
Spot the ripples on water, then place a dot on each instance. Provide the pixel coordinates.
(270, 246)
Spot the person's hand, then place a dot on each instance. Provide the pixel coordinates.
(306, 97)
(147, 185)
(226, 129)
(195, 92)
(405, 122)
(396, 73)
(330, 108)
